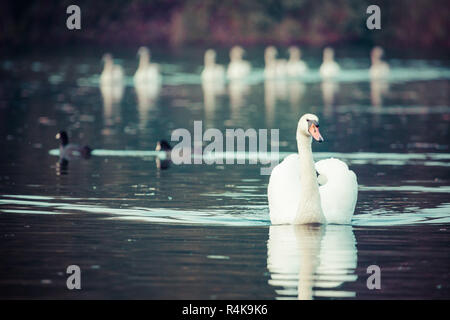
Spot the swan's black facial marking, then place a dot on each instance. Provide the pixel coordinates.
(313, 129)
(310, 122)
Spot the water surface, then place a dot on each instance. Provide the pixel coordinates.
(203, 231)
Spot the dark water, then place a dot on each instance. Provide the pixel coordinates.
(203, 231)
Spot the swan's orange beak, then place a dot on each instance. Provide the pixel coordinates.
(314, 132)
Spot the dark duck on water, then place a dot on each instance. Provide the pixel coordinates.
(163, 146)
(69, 151)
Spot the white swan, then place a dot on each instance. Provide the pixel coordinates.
(274, 68)
(294, 194)
(112, 73)
(146, 71)
(295, 67)
(238, 68)
(379, 69)
(329, 67)
(212, 71)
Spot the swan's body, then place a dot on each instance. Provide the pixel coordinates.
(297, 196)
(274, 68)
(379, 69)
(147, 72)
(112, 74)
(329, 67)
(238, 68)
(295, 67)
(212, 71)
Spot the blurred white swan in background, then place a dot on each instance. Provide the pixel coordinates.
(295, 67)
(274, 68)
(111, 88)
(329, 67)
(379, 69)
(238, 68)
(212, 71)
(146, 72)
(112, 73)
(301, 258)
(297, 195)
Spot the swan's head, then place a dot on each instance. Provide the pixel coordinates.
(143, 51)
(210, 57)
(308, 125)
(107, 58)
(376, 53)
(328, 54)
(294, 53)
(236, 53)
(270, 54)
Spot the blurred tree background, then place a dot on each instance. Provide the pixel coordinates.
(413, 23)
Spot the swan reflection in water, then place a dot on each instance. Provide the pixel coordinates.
(296, 91)
(274, 90)
(329, 89)
(238, 91)
(146, 94)
(111, 87)
(282, 90)
(112, 94)
(307, 261)
(378, 88)
(211, 90)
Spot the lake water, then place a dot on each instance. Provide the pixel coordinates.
(203, 231)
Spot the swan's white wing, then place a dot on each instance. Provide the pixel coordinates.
(284, 190)
(238, 69)
(117, 73)
(152, 72)
(329, 69)
(339, 194)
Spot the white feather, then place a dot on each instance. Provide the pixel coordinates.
(337, 196)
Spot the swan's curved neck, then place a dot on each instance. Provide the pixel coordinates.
(310, 210)
(144, 61)
(108, 65)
